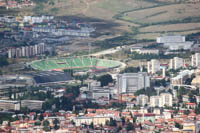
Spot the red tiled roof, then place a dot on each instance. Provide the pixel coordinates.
(190, 103)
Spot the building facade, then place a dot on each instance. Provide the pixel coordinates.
(195, 62)
(132, 82)
(142, 100)
(165, 99)
(153, 66)
(176, 63)
(9, 105)
(32, 104)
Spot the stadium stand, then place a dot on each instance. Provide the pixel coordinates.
(50, 77)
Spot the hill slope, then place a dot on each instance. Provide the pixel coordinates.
(141, 17)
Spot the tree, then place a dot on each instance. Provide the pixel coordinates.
(130, 127)
(56, 124)
(123, 120)
(147, 91)
(46, 125)
(113, 122)
(91, 125)
(3, 61)
(131, 70)
(177, 125)
(105, 79)
(186, 112)
(37, 123)
(41, 117)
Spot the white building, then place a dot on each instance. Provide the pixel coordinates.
(155, 101)
(170, 39)
(145, 51)
(97, 120)
(195, 62)
(27, 51)
(174, 42)
(142, 100)
(165, 99)
(176, 63)
(9, 105)
(153, 66)
(132, 82)
(182, 76)
(37, 19)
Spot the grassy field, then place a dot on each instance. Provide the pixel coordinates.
(150, 17)
(171, 27)
(163, 13)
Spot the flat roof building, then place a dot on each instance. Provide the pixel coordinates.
(174, 42)
(153, 66)
(9, 105)
(195, 61)
(132, 82)
(176, 63)
(32, 104)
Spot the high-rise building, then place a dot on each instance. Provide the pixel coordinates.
(171, 39)
(176, 63)
(132, 82)
(153, 66)
(155, 101)
(165, 99)
(142, 100)
(195, 62)
(23, 51)
(27, 51)
(163, 72)
(9, 53)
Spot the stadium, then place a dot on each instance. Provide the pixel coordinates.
(76, 63)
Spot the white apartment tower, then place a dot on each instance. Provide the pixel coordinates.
(153, 66)
(132, 82)
(195, 62)
(165, 99)
(176, 63)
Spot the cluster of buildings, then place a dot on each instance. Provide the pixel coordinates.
(132, 82)
(97, 120)
(162, 109)
(33, 30)
(10, 4)
(26, 51)
(175, 42)
(159, 101)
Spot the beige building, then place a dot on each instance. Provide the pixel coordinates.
(153, 66)
(155, 101)
(9, 105)
(32, 104)
(176, 63)
(97, 120)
